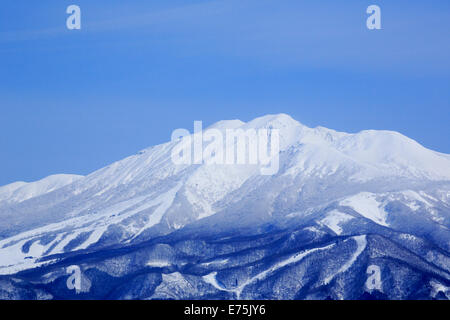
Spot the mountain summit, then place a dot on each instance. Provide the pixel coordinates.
(338, 204)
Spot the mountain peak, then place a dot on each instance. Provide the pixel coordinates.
(227, 124)
(269, 121)
(274, 121)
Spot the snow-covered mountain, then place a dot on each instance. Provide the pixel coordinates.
(144, 227)
(20, 191)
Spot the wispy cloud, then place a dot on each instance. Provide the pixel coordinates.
(287, 34)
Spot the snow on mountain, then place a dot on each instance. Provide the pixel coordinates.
(366, 204)
(329, 184)
(20, 191)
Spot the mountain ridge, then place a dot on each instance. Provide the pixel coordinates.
(330, 185)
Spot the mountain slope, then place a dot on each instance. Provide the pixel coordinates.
(20, 191)
(341, 200)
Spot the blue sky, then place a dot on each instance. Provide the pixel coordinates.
(75, 101)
